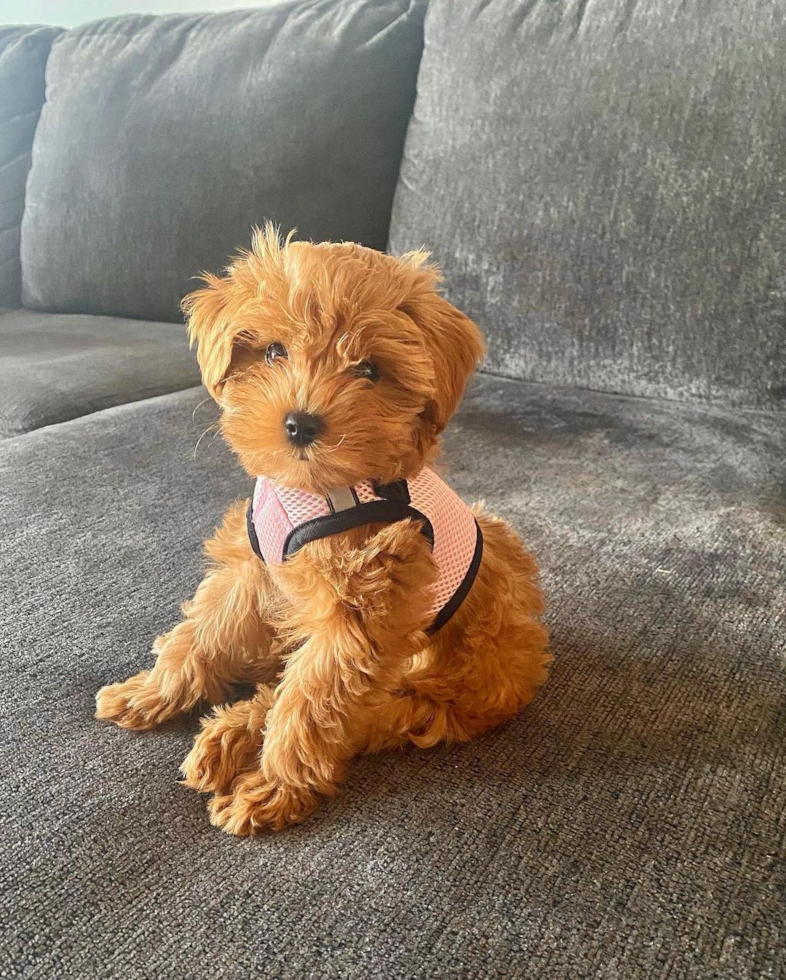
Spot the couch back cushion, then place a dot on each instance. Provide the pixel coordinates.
(605, 187)
(165, 139)
(23, 54)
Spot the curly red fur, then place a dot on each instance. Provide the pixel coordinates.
(340, 629)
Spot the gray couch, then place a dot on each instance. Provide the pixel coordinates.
(603, 185)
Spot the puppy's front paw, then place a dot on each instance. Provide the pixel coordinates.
(134, 703)
(256, 804)
(228, 744)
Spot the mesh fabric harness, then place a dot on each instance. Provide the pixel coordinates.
(282, 520)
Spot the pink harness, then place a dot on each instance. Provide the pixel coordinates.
(280, 521)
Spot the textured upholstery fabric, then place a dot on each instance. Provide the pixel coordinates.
(54, 367)
(629, 824)
(23, 54)
(604, 184)
(164, 139)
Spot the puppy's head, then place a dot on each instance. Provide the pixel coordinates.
(331, 363)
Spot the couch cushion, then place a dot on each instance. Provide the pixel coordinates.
(625, 825)
(23, 54)
(54, 367)
(604, 184)
(164, 139)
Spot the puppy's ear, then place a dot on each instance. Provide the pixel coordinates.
(210, 328)
(455, 343)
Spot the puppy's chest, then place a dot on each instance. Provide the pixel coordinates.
(281, 520)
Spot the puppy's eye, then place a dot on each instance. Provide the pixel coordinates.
(366, 369)
(275, 352)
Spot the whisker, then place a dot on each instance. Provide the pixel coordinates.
(213, 425)
(337, 446)
(204, 400)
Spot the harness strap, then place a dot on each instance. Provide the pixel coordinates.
(384, 511)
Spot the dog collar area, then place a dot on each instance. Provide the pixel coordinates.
(282, 520)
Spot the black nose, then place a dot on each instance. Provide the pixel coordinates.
(302, 428)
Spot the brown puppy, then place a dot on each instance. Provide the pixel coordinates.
(363, 341)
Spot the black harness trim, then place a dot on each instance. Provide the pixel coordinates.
(252, 531)
(398, 490)
(386, 511)
(461, 593)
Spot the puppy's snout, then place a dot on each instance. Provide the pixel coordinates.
(302, 428)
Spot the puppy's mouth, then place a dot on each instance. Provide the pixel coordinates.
(307, 456)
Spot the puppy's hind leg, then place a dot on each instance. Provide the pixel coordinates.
(221, 640)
